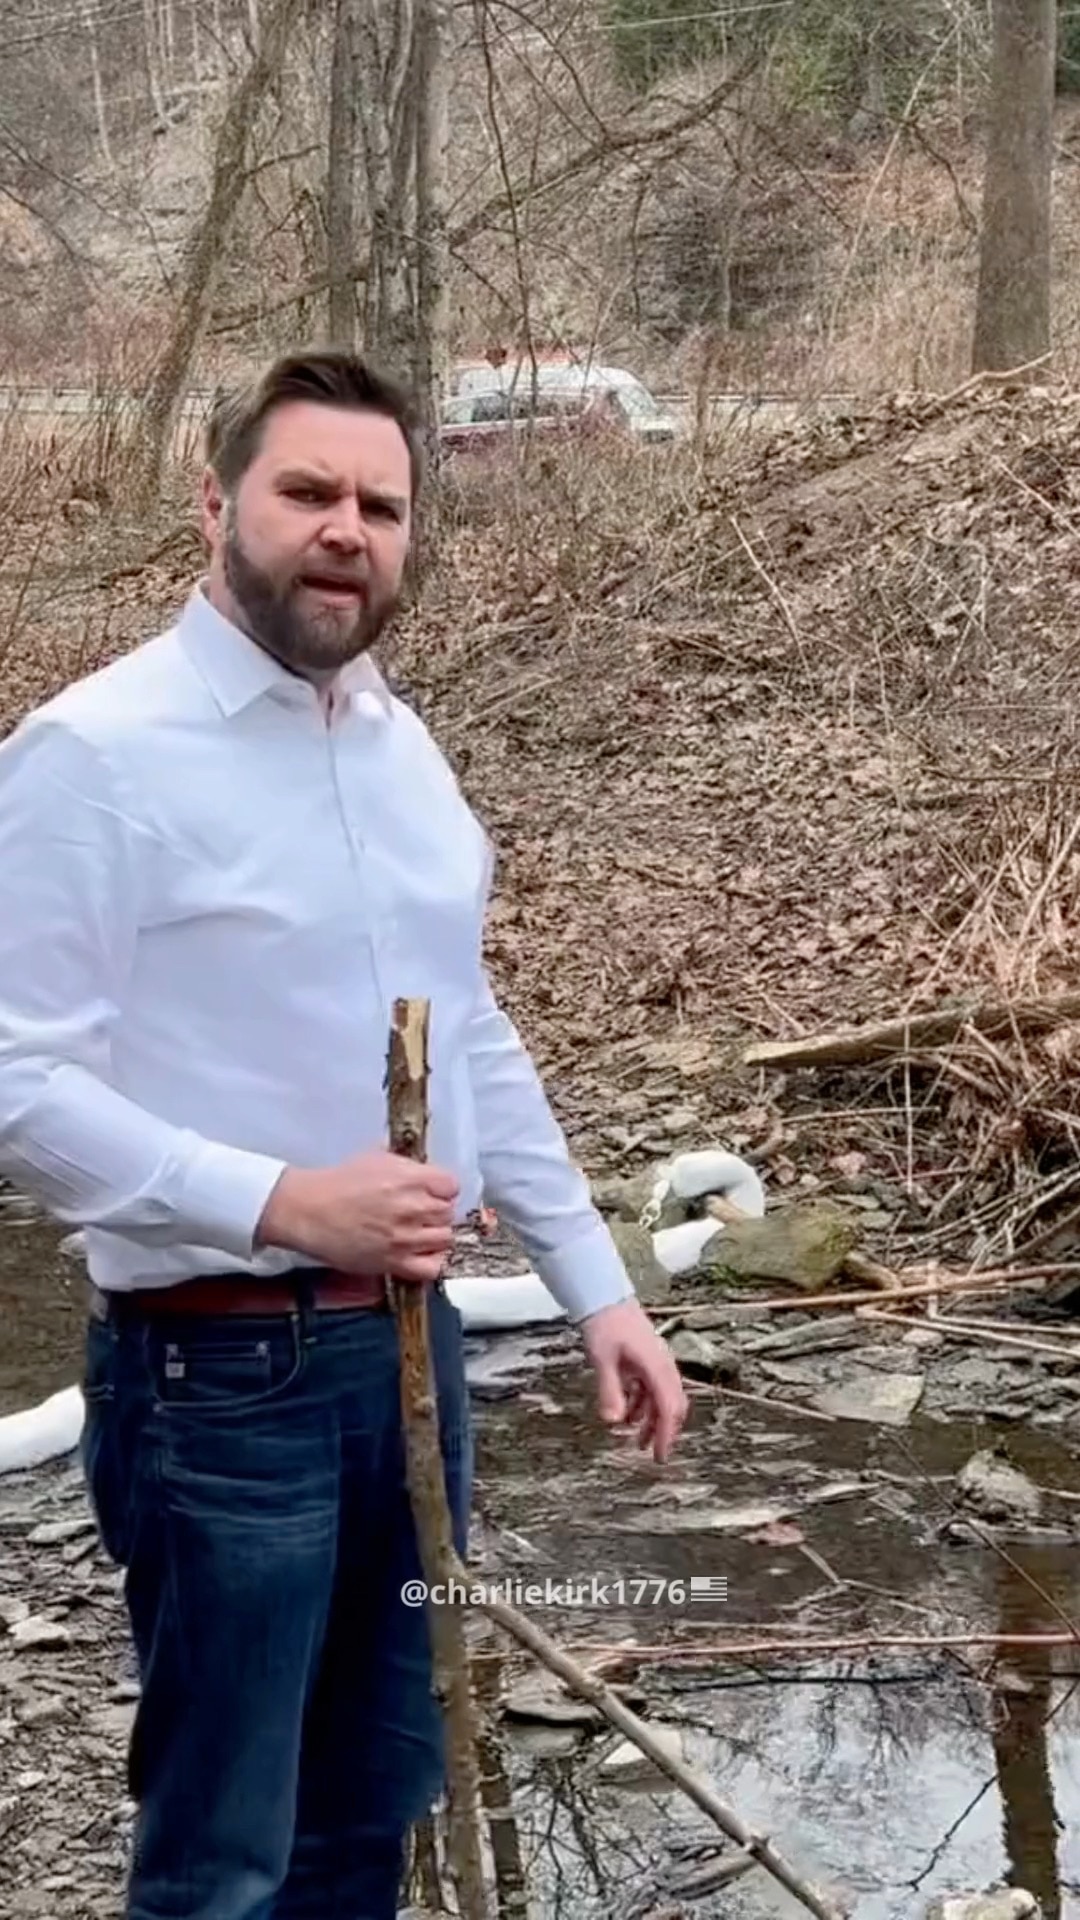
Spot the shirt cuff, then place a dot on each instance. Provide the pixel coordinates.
(225, 1191)
(586, 1275)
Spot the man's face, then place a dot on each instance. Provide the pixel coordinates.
(307, 556)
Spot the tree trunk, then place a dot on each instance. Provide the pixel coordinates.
(341, 178)
(432, 353)
(384, 88)
(1012, 314)
(231, 160)
(153, 77)
(98, 90)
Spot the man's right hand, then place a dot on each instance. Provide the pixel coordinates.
(375, 1213)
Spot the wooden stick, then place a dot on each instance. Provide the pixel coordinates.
(948, 1320)
(860, 1267)
(772, 1404)
(957, 1329)
(407, 1076)
(990, 1282)
(884, 1039)
(613, 1656)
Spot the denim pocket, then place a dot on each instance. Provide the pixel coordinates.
(221, 1366)
(99, 1363)
(106, 1474)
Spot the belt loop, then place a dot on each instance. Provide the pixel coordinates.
(305, 1302)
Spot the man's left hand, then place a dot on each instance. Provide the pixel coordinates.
(637, 1381)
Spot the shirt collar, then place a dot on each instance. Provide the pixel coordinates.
(238, 671)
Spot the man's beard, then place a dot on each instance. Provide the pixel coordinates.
(319, 641)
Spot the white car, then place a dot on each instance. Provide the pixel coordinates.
(643, 415)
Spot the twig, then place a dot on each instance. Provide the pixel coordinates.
(629, 1652)
(998, 1326)
(407, 1077)
(708, 1879)
(995, 1280)
(987, 377)
(858, 1266)
(957, 1329)
(888, 1039)
(761, 1400)
(772, 588)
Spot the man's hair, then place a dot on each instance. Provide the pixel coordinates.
(325, 376)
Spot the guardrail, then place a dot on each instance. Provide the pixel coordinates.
(59, 400)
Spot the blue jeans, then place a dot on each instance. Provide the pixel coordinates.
(248, 1474)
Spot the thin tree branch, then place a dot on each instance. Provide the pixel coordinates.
(618, 141)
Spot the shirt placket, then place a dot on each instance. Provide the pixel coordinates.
(344, 750)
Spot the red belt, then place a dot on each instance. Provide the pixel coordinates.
(322, 1288)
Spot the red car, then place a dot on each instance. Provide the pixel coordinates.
(482, 423)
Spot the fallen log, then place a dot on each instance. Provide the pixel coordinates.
(914, 1032)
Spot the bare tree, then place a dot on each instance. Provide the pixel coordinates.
(341, 236)
(90, 19)
(432, 347)
(231, 164)
(387, 103)
(1012, 316)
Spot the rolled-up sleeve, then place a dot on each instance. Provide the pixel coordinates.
(528, 1174)
(71, 858)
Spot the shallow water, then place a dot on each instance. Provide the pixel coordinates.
(889, 1777)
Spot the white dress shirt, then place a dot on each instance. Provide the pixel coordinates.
(211, 892)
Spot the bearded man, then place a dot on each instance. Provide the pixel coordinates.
(222, 858)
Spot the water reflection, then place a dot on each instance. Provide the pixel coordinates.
(1022, 1711)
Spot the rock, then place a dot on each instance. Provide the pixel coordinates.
(544, 1706)
(623, 1197)
(923, 1337)
(544, 1743)
(1003, 1903)
(678, 1121)
(840, 1330)
(703, 1358)
(36, 1631)
(882, 1399)
(114, 1722)
(42, 1713)
(51, 1532)
(743, 1518)
(627, 1766)
(803, 1245)
(635, 1246)
(997, 1490)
